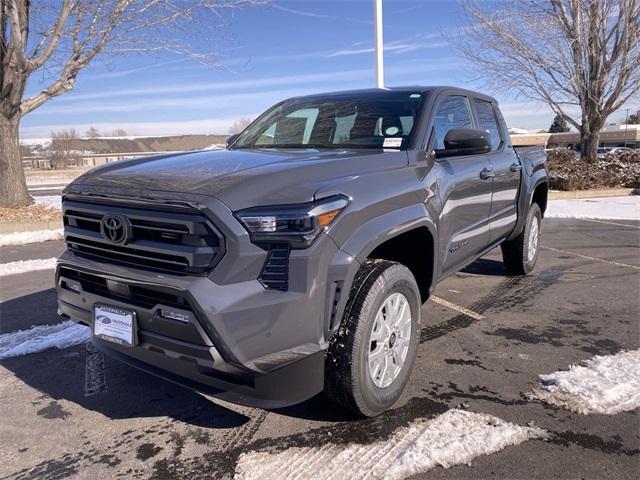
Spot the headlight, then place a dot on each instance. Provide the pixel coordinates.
(298, 225)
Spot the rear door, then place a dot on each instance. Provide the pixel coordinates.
(506, 167)
(465, 197)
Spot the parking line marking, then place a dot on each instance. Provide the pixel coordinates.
(609, 223)
(94, 374)
(457, 308)
(587, 257)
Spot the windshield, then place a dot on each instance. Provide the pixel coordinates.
(373, 120)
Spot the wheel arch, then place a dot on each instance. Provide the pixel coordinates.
(407, 236)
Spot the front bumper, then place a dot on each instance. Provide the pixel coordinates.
(242, 342)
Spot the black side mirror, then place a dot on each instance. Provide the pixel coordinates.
(464, 141)
(230, 139)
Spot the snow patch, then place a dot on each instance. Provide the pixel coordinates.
(50, 201)
(23, 238)
(24, 266)
(607, 384)
(455, 437)
(215, 146)
(43, 337)
(610, 208)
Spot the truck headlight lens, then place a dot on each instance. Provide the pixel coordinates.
(298, 225)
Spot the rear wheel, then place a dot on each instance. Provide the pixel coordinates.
(521, 254)
(371, 356)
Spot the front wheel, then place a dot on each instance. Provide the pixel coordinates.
(371, 356)
(521, 254)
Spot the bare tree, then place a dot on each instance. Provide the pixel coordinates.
(239, 125)
(574, 55)
(59, 38)
(61, 150)
(92, 132)
(119, 132)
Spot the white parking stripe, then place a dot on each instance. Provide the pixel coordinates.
(94, 374)
(455, 437)
(587, 257)
(457, 308)
(609, 223)
(24, 266)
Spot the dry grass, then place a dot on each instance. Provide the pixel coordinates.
(32, 213)
(613, 170)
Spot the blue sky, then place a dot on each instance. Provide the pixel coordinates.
(293, 48)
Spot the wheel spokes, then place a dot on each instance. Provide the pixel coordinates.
(389, 340)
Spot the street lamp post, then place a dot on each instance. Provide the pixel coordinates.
(379, 46)
(626, 128)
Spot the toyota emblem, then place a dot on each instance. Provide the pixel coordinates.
(115, 228)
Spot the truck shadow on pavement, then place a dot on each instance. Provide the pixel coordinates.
(24, 312)
(128, 393)
(124, 391)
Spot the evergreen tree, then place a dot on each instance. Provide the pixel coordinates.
(559, 125)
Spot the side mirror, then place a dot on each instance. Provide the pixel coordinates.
(464, 141)
(230, 139)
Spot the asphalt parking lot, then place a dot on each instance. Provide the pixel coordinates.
(73, 413)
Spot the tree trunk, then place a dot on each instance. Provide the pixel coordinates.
(589, 146)
(13, 186)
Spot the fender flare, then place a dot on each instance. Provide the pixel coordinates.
(524, 201)
(365, 240)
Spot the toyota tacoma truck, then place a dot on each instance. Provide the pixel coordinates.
(296, 260)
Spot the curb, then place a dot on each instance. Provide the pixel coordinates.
(576, 194)
(15, 227)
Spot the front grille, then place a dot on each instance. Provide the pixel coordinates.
(175, 239)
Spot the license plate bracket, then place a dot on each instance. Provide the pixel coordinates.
(115, 324)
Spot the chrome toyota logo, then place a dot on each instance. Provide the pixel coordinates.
(115, 228)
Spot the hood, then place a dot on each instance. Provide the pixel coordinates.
(241, 178)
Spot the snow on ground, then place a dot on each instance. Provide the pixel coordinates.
(48, 180)
(50, 201)
(37, 236)
(606, 384)
(455, 437)
(609, 208)
(42, 337)
(24, 266)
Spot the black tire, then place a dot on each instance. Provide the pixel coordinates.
(348, 381)
(516, 253)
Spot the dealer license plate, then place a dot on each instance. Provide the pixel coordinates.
(114, 324)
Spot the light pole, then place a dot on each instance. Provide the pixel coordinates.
(377, 22)
(626, 128)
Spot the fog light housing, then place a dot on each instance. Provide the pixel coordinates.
(73, 285)
(175, 315)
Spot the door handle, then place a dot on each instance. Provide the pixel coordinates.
(487, 173)
(515, 167)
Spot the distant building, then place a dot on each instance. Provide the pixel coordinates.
(610, 136)
(89, 152)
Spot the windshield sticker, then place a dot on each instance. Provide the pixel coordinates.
(391, 131)
(392, 142)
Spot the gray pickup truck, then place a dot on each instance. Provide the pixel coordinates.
(296, 260)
